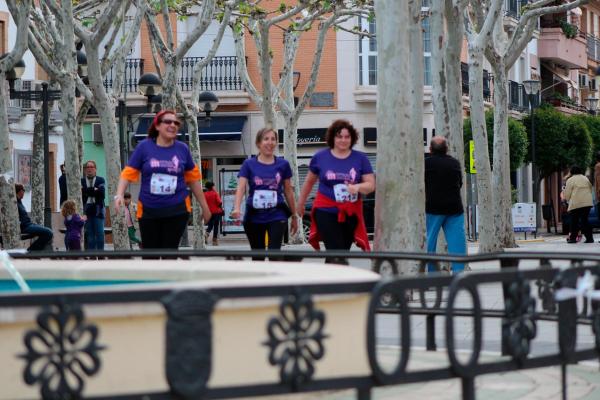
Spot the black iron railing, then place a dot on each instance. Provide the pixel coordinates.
(487, 80)
(593, 47)
(541, 292)
(134, 68)
(220, 74)
(517, 98)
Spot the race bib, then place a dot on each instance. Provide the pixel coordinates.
(163, 184)
(342, 194)
(264, 199)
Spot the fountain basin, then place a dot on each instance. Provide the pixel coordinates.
(134, 332)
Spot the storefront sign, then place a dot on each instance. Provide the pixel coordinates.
(308, 136)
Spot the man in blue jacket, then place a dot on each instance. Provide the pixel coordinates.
(93, 188)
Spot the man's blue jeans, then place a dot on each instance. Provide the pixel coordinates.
(454, 230)
(94, 233)
(44, 236)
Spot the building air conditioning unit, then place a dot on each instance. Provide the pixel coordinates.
(96, 134)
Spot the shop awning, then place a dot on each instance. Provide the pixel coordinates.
(220, 129)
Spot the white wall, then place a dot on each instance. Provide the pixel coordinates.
(204, 44)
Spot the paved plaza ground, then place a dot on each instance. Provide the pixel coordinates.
(543, 383)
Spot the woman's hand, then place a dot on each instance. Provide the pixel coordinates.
(294, 227)
(119, 202)
(353, 188)
(235, 214)
(206, 215)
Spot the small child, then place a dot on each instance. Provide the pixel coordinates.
(131, 231)
(74, 224)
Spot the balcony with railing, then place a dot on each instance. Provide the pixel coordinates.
(562, 43)
(134, 68)
(565, 103)
(220, 74)
(487, 78)
(593, 47)
(517, 98)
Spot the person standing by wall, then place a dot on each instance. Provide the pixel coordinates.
(62, 185)
(93, 189)
(443, 204)
(344, 175)
(43, 234)
(578, 192)
(269, 180)
(215, 205)
(166, 168)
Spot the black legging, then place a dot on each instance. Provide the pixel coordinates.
(163, 233)
(579, 219)
(335, 235)
(214, 223)
(256, 235)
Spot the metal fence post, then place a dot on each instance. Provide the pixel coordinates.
(430, 331)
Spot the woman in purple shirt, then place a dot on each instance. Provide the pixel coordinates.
(344, 175)
(269, 179)
(167, 169)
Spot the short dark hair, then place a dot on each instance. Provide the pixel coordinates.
(209, 185)
(336, 127)
(576, 170)
(152, 131)
(598, 156)
(19, 187)
(126, 195)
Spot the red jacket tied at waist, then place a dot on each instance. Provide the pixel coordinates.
(344, 209)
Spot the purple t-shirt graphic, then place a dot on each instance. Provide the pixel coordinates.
(265, 182)
(335, 173)
(162, 170)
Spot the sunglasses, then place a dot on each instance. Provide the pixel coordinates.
(171, 121)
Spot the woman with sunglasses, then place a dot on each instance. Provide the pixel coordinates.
(166, 168)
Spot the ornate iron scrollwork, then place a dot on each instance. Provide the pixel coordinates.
(189, 341)
(60, 351)
(296, 339)
(519, 326)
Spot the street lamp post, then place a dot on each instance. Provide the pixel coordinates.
(150, 85)
(207, 103)
(45, 95)
(532, 88)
